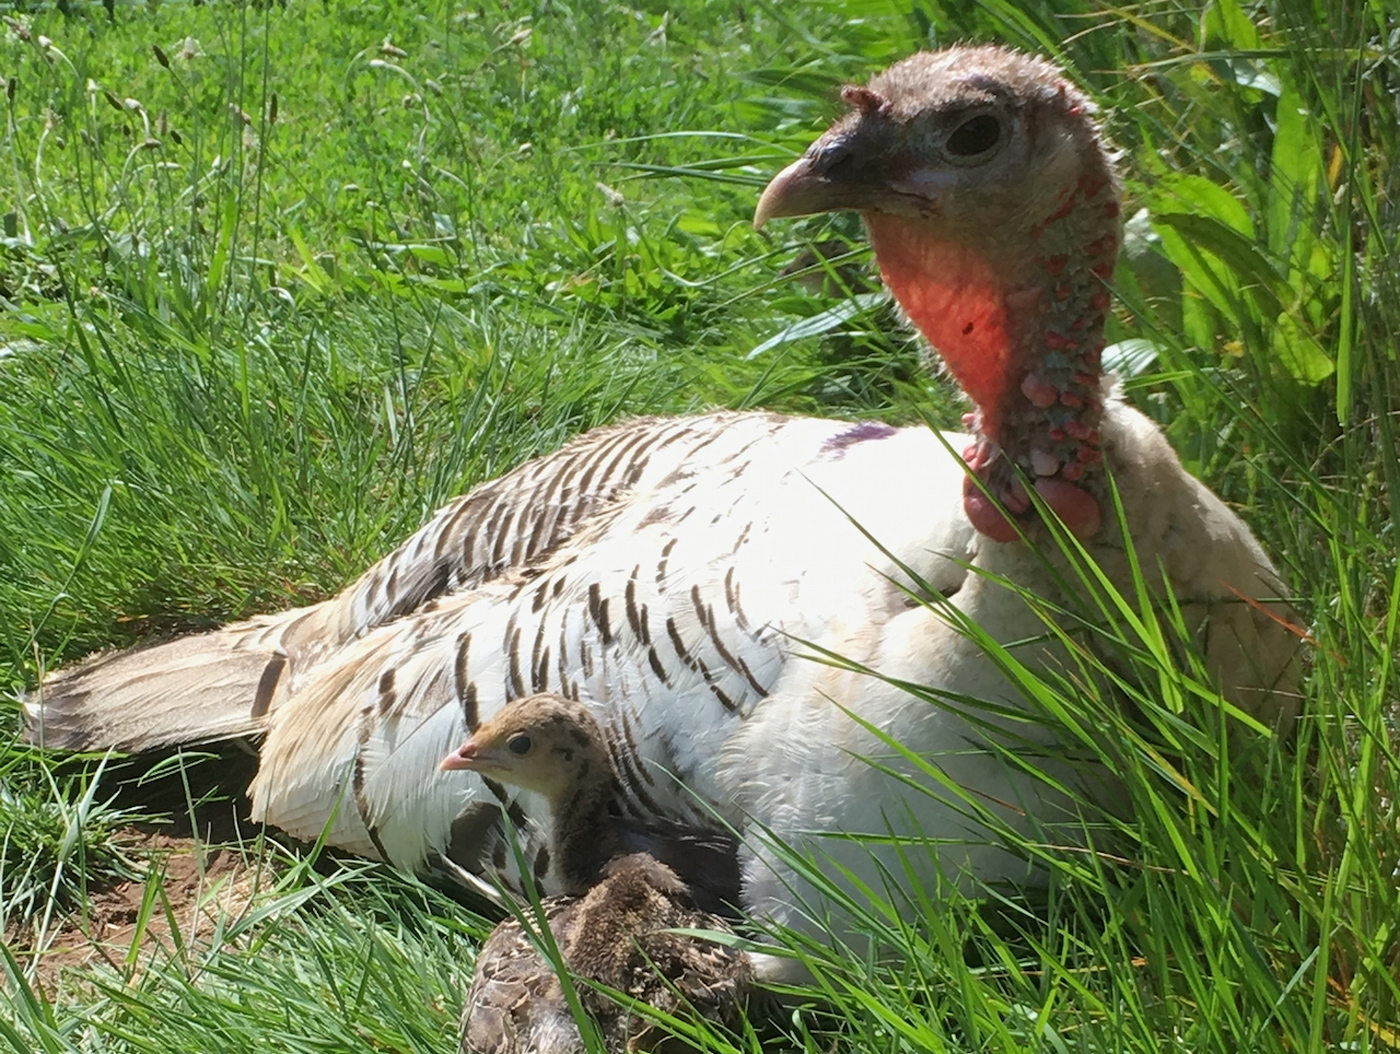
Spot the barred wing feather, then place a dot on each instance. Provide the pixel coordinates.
(674, 614)
(226, 683)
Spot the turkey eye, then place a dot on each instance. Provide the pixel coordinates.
(519, 745)
(975, 136)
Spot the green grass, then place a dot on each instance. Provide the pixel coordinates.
(279, 281)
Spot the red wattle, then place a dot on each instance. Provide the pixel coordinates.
(1074, 505)
(984, 515)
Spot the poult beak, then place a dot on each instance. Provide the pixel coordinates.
(464, 757)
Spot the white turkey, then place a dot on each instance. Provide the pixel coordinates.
(614, 924)
(679, 575)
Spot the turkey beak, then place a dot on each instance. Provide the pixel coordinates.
(464, 757)
(800, 190)
(842, 172)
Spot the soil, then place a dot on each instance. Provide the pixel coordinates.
(198, 883)
(202, 856)
(201, 861)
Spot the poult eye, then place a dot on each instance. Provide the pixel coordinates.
(975, 136)
(519, 744)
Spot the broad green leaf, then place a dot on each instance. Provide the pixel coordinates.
(223, 246)
(313, 273)
(1180, 209)
(691, 223)
(1227, 23)
(1237, 251)
(1299, 353)
(1295, 171)
(1201, 197)
(433, 254)
(820, 323)
(1223, 263)
(1202, 270)
(1196, 319)
(1130, 357)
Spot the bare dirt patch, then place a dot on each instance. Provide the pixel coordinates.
(175, 910)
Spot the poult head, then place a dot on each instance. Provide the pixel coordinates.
(993, 211)
(543, 743)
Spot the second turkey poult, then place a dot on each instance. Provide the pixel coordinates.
(681, 575)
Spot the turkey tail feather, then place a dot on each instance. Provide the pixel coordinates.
(196, 689)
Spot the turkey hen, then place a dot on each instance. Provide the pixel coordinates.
(679, 575)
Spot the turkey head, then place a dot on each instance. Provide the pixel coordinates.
(993, 210)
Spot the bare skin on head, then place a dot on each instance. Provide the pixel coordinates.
(994, 213)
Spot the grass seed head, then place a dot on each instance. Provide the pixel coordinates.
(18, 28)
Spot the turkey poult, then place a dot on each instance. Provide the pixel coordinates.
(612, 924)
(680, 574)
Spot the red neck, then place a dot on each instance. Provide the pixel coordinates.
(958, 302)
(1022, 335)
